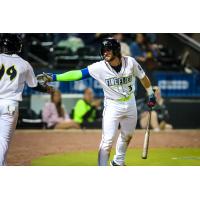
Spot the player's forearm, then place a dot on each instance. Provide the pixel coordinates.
(147, 85)
(74, 75)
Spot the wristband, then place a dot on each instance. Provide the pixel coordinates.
(54, 77)
(150, 90)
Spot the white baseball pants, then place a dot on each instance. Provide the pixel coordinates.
(115, 113)
(8, 121)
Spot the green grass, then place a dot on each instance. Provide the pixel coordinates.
(157, 157)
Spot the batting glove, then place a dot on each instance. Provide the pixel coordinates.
(44, 78)
(151, 101)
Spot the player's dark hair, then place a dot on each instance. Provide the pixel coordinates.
(111, 44)
(10, 43)
(58, 105)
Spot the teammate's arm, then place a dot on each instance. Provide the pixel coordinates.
(33, 83)
(43, 88)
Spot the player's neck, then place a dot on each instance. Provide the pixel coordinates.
(115, 62)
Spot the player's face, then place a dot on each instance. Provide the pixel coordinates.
(108, 55)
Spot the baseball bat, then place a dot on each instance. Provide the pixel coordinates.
(146, 138)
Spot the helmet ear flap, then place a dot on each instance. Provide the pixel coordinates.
(117, 52)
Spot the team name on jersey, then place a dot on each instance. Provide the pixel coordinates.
(118, 81)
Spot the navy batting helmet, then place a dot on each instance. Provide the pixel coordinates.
(10, 43)
(111, 44)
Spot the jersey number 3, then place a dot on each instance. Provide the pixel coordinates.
(130, 88)
(11, 72)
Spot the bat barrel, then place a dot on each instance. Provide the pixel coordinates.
(145, 147)
(146, 138)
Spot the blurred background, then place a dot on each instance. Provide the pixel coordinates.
(171, 61)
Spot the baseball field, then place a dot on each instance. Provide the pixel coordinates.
(80, 148)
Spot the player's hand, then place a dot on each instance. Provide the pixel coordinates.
(44, 78)
(151, 101)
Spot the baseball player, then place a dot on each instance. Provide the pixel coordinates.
(14, 73)
(116, 74)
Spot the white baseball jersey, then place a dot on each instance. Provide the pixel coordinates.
(14, 73)
(117, 85)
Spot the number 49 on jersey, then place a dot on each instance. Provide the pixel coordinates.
(10, 71)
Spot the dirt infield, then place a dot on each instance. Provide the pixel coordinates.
(30, 144)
